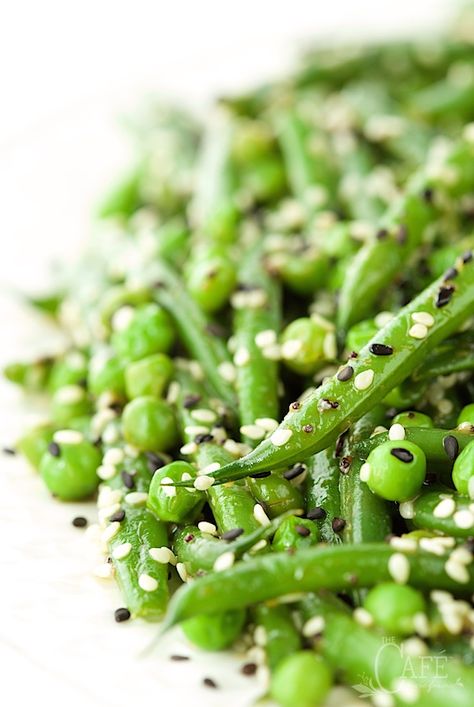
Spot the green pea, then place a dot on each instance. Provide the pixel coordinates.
(306, 271)
(394, 607)
(221, 225)
(276, 494)
(463, 471)
(177, 507)
(106, 374)
(71, 369)
(467, 414)
(149, 331)
(119, 296)
(411, 418)
(251, 140)
(307, 343)
(149, 424)
(214, 632)
(68, 403)
(294, 532)
(173, 240)
(264, 178)
(70, 472)
(301, 680)
(211, 280)
(396, 470)
(34, 443)
(149, 376)
(360, 334)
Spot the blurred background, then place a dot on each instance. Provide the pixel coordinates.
(69, 74)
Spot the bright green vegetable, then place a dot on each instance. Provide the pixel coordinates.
(301, 680)
(463, 471)
(395, 470)
(394, 607)
(149, 376)
(69, 467)
(149, 424)
(214, 632)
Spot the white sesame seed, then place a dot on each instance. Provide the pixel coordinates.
(232, 447)
(68, 437)
(414, 646)
(313, 626)
(219, 434)
(121, 551)
(136, 498)
(424, 318)
(273, 353)
(166, 486)
(163, 555)
(421, 624)
(453, 622)
(227, 371)
(110, 435)
(456, 571)
(104, 571)
(267, 423)
(202, 483)
(461, 554)
(147, 583)
(253, 431)
(108, 497)
(264, 338)
(209, 469)
(110, 531)
(379, 429)
(418, 331)
(445, 406)
(403, 544)
(202, 415)
(69, 394)
(114, 456)
(464, 519)
(196, 370)
(441, 597)
(122, 318)
(280, 437)
(260, 515)
(261, 545)
(406, 510)
(291, 348)
(174, 390)
(190, 448)
(446, 541)
(181, 570)
(365, 472)
(362, 616)
(256, 654)
(260, 636)
(445, 508)
(224, 561)
(382, 319)
(106, 471)
(431, 545)
(241, 357)
(407, 690)
(206, 527)
(396, 432)
(193, 430)
(330, 346)
(399, 568)
(364, 380)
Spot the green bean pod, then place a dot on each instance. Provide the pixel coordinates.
(322, 492)
(281, 636)
(427, 513)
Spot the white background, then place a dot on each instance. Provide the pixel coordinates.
(68, 70)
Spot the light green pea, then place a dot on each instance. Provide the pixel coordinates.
(394, 607)
(149, 376)
(301, 680)
(70, 473)
(149, 331)
(149, 424)
(463, 471)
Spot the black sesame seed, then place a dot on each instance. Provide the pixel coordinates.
(190, 400)
(116, 407)
(380, 349)
(308, 428)
(345, 465)
(427, 195)
(295, 471)
(338, 524)
(203, 437)
(232, 534)
(248, 669)
(316, 513)
(345, 374)
(451, 447)
(209, 682)
(9, 451)
(353, 354)
(402, 454)
(444, 296)
(179, 658)
(390, 413)
(340, 443)
(467, 256)
(301, 530)
(402, 234)
(79, 522)
(469, 544)
(450, 274)
(260, 475)
(127, 479)
(54, 449)
(381, 234)
(154, 461)
(430, 478)
(121, 614)
(118, 516)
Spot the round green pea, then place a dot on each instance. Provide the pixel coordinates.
(71, 369)
(397, 470)
(463, 471)
(106, 374)
(312, 343)
(211, 280)
(360, 334)
(394, 607)
(149, 376)
(183, 502)
(302, 679)
(71, 475)
(149, 331)
(276, 494)
(69, 403)
(34, 443)
(411, 418)
(214, 632)
(467, 414)
(305, 271)
(149, 424)
(294, 532)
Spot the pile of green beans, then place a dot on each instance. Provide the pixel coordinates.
(269, 377)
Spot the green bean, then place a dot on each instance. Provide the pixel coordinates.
(142, 579)
(432, 441)
(322, 493)
(335, 567)
(316, 422)
(281, 637)
(427, 512)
